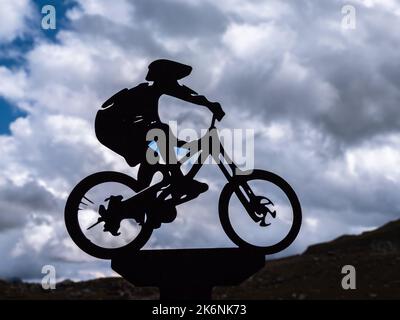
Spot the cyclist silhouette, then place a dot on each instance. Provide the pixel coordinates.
(124, 120)
(123, 124)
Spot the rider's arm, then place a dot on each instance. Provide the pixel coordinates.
(189, 95)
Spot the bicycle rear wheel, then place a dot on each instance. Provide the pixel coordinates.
(81, 212)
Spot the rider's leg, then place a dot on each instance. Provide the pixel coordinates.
(145, 174)
(183, 185)
(166, 149)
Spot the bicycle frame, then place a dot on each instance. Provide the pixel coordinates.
(209, 140)
(146, 198)
(243, 190)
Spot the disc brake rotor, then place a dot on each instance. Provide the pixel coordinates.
(264, 206)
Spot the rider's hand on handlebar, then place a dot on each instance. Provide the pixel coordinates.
(216, 108)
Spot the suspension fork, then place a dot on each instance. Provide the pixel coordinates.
(242, 190)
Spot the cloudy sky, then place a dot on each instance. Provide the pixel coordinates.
(322, 99)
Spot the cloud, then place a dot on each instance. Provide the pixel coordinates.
(14, 19)
(307, 66)
(13, 84)
(17, 203)
(322, 101)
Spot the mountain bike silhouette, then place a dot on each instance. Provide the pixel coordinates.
(257, 209)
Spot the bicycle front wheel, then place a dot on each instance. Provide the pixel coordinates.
(267, 192)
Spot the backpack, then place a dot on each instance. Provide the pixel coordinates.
(115, 124)
(122, 101)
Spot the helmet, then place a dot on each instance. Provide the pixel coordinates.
(164, 69)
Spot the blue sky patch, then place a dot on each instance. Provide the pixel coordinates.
(12, 54)
(8, 113)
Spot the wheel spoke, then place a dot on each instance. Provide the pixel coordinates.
(95, 224)
(88, 200)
